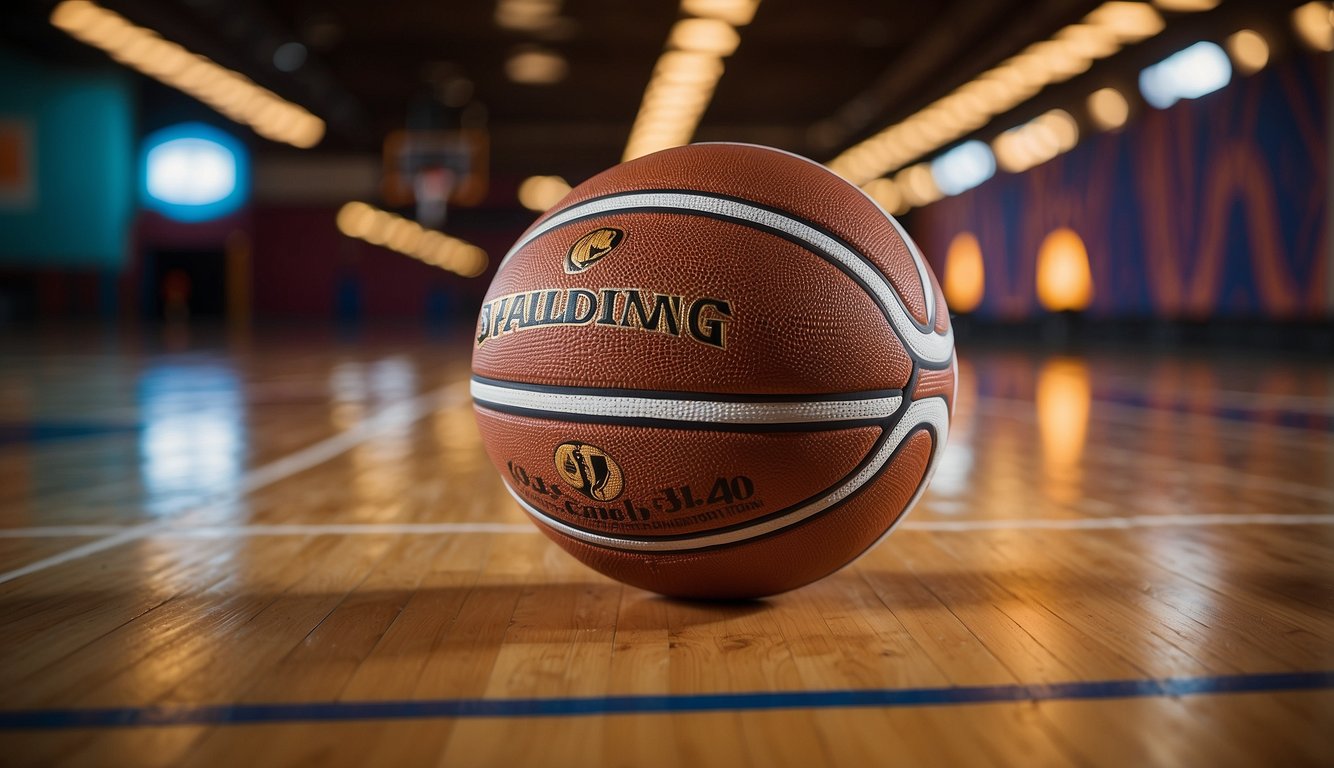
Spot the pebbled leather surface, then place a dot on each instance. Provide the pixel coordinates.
(799, 325)
(783, 468)
(785, 560)
(936, 384)
(778, 180)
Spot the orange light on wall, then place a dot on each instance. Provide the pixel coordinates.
(1064, 280)
(965, 278)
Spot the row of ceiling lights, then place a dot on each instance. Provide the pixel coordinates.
(1070, 52)
(1199, 69)
(225, 90)
(687, 73)
(389, 230)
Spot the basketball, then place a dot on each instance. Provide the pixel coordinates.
(716, 371)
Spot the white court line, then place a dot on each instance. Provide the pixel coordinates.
(390, 418)
(933, 526)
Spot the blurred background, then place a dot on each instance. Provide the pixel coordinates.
(1074, 170)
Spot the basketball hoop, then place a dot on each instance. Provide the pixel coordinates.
(433, 169)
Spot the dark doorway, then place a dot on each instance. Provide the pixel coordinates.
(186, 285)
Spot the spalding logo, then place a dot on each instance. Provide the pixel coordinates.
(590, 249)
(589, 470)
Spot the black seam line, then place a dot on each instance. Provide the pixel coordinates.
(808, 247)
(694, 426)
(732, 198)
(740, 526)
(886, 429)
(721, 397)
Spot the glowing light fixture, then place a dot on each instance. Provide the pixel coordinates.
(1187, 74)
(1036, 141)
(965, 279)
(1249, 51)
(538, 193)
(229, 92)
(738, 13)
(887, 195)
(1064, 280)
(963, 167)
(918, 185)
(1187, 6)
(685, 77)
(194, 172)
(1072, 50)
(1108, 108)
(366, 222)
(536, 66)
(1314, 23)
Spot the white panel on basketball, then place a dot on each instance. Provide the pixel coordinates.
(931, 411)
(686, 410)
(934, 348)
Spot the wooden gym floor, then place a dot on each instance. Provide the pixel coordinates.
(294, 551)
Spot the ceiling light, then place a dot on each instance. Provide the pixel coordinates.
(885, 193)
(963, 167)
(536, 66)
(1188, 74)
(366, 222)
(1187, 6)
(1130, 22)
(229, 92)
(1036, 141)
(1249, 51)
(1108, 108)
(539, 193)
(1314, 23)
(738, 13)
(704, 36)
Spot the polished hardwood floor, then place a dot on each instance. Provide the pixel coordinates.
(287, 548)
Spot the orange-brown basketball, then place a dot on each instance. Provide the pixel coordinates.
(717, 371)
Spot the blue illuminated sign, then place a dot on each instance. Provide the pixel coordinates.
(194, 172)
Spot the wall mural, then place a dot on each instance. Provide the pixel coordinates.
(1212, 207)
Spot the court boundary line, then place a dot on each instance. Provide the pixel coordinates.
(649, 704)
(931, 526)
(391, 417)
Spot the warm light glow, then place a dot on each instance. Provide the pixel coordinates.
(1314, 23)
(538, 193)
(1187, 74)
(886, 194)
(917, 185)
(684, 79)
(1069, 52)
(704, 36)
(1249, 51)
(1036, 141)
(738, 13)
(965, 279)
(1064, 398)
(366, 222)
(1108, 108)
(527, 15)
(536, 67)
(1130, 22)
(1187, 6)
(230, 93)
(1064, 280)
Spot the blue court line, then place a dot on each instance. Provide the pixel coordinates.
(225, 714)
(46, 432)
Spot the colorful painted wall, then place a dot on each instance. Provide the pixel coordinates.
(1214, 207)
